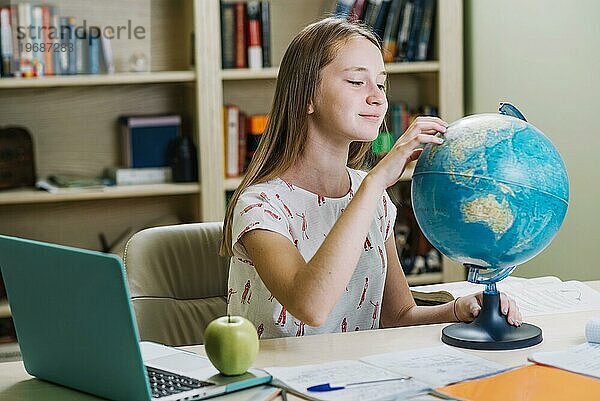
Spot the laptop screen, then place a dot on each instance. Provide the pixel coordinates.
(73, 318)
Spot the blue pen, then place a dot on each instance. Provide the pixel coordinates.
(329, 387)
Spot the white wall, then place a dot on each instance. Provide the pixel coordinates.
(544, 57)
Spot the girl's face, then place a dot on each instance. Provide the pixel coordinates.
(350, 101)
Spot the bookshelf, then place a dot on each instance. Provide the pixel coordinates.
(73, 118)
(73, 122)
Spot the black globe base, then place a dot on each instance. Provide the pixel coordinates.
(491, 331)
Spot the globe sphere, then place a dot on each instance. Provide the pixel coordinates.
(494, 194)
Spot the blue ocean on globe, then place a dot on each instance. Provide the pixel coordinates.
(494, 194)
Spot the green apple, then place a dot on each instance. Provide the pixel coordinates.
(231, 344)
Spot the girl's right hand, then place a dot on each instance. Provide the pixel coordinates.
(408, 148)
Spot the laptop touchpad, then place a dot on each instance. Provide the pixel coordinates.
(184, 363)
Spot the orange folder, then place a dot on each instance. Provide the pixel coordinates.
(529, 383)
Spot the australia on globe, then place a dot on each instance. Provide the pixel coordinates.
(494, 194)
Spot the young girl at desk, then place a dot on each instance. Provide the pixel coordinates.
(311, 236)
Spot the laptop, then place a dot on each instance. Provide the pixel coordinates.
(76, 327)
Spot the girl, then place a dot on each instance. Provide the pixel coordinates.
(311, 236)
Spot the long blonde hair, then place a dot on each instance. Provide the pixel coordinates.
(283, 141)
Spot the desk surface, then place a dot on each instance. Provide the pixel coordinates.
(560, 331)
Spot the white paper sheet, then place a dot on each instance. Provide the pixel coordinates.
(584, 359)
(299, 378)
(535, 297)
(436, 366)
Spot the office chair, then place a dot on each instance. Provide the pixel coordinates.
(177, 280)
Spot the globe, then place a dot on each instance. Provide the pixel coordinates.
(492, 196)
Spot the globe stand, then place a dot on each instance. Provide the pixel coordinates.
(490, 330)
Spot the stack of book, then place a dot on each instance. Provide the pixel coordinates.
(403, 26)
(38, 41)
(242, 135)
(146, 144)
(245, 34)
(400, 116)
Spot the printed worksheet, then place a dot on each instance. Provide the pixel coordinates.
(583, 359)
(436, 366)
(376, 383)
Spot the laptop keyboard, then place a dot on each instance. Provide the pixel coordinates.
(163, 383)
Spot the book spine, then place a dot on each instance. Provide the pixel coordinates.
(37, 61)
(256, 127)
(140, 176)
(232, 114)
(72, 49)
(265, 26)
(390, 34)
(426, 28)
(358, 10)
(6, 42)
(126, 159)
(404, 31)
(56, 41)
(255, 58)
(25, 43)
(81, 56)
(227, 35)
(64, 45)
(14, 23)
(415, 30)
(47, 12)
(374, 7)
(240, 35)
(381, 18)
(241, 142)
(93, 54)
(343, 8)
(396, 120)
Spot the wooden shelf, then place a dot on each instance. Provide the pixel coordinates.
(271, 73)
(23, 196)
(425, 278)
(4, 309)
(246, 73)
(412, 67)
(125, 78)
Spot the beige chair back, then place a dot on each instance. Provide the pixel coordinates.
(178, 281)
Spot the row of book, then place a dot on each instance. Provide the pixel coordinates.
(245, 34)
(242, 134)
(36, 41)
(398, 119)
(403, 26)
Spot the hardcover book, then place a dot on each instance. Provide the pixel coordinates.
(145, 139)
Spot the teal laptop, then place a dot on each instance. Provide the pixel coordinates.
(75, 326)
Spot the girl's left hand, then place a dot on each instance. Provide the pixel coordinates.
(467, 308)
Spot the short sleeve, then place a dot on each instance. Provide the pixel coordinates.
(255, 211)
(389, 215)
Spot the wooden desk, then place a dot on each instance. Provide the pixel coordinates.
(560, 331)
